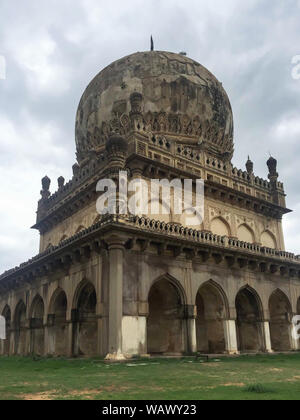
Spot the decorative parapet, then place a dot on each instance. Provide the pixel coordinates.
(168, 230)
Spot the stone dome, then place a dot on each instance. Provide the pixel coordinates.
(167, 93)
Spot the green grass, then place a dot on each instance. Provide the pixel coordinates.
(245, 378)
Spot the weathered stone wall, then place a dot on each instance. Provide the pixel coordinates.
(168, 305)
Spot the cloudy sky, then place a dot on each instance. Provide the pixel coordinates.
(52, 49)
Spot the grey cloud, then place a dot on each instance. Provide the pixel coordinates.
(53, 49)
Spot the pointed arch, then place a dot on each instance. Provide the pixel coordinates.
(280, 310)
(245, 233)
(20, 328)
(37, 307)
(36, 316)
(55, 294)
(57, 318)
(176, 283)
(219, 289)
(212, 309)
(80, 287)
(85, 326)
(255, 294)
(165, 323)
(268, 240)
(220, 226)
(249, 311)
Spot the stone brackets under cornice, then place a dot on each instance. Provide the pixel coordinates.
(144, 235)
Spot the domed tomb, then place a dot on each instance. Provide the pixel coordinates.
(155, 92)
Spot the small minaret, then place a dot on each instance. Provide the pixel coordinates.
(277, 191)
(273, 174)
(249, 166)
(45, 193)
(61, 182)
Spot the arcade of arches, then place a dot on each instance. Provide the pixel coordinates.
(172, 327)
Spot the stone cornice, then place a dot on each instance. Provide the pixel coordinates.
(142, 232)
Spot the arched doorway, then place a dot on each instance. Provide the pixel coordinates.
(20, 328)
(165, 324)
(85, 330)
(58, 324)
(280, 327)
(37, 326)
(249, 321)
(211, 312)
(5, 345)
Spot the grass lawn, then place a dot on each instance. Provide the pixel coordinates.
(245, 378)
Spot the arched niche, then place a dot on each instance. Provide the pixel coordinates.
(268, 240)
(220, 227)
(245, 234)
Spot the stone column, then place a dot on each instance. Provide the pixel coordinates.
(294, 341)
(230, 336)
(46, 340)
(116, 254)
(69, 332)
(267, 336)
(191, 314)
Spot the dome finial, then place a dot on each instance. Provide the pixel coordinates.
(152, 43)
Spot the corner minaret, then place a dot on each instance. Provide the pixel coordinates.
(276, 187)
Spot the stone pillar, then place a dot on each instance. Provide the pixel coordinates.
(230, 336)
(191, 314)
(116, 254)
(69, 332)
(294, 341)
(267, 336)
(46, 340)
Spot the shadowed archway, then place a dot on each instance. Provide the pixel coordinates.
(85, 328)
(212, 310)
(5, 344)
(165, 324)
(37, 336)
(58, 324)
(280, 327)
(20, 328)
(249, 321)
